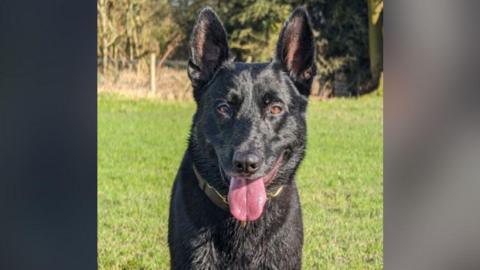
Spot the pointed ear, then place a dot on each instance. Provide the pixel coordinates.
(296, 50)
(208, 49)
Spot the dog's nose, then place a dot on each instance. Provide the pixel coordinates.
(246, 162)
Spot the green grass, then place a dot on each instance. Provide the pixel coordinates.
(141, 144)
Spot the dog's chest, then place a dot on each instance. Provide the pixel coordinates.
(237, 250)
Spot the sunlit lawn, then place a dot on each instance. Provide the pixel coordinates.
(141, 144)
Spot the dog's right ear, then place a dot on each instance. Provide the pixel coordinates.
(208, 50)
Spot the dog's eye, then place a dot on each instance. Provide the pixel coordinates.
(223, 108)
(276, 109)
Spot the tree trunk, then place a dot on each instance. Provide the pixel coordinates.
(102, 8)
(172, 45)
(375, 39)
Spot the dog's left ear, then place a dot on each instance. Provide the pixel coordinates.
(208, 50)
(296, 50)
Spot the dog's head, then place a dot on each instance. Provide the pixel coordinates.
(250, 120)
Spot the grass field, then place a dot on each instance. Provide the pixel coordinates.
(141, 143)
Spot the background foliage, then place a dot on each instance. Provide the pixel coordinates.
(349, 35)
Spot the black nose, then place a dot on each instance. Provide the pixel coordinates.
(246, 162)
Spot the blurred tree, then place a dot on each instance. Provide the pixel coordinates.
(348, 61)
(349, 34)
(253, 25)
(375, 39)
(342, 46)
(128, 30)
(255, 29)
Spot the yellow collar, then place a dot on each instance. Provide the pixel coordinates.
(216, 197)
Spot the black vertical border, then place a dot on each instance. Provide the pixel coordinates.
(48, 134)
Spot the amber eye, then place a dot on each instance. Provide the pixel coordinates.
(223, 108)
(275, 109)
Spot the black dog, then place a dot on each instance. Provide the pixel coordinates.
(234, 202)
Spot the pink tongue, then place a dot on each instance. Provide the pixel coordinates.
(246, 198)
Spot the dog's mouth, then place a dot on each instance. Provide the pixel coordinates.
(247, 197)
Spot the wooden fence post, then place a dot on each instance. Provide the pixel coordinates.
(153, 87)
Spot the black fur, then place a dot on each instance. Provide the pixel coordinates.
(201, 235)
